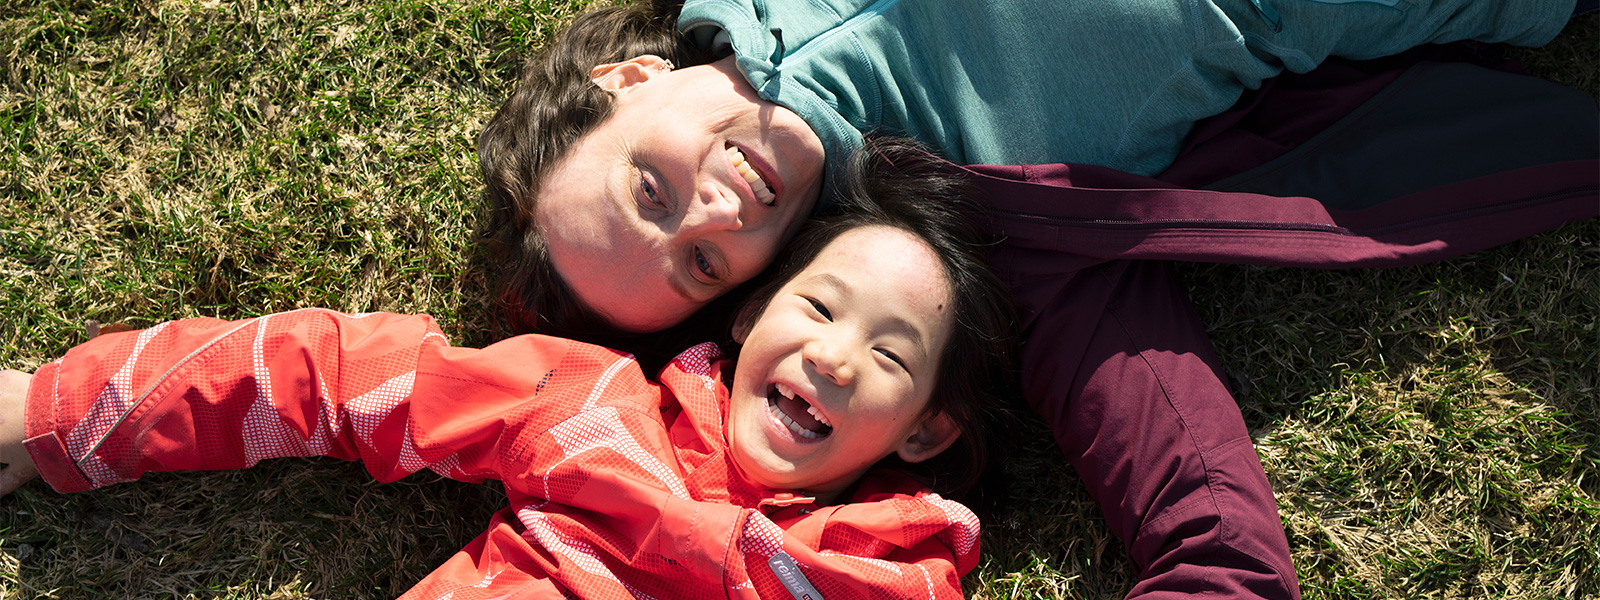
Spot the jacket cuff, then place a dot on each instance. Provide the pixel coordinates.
(44, 446)
(710, 526)
(55, 465)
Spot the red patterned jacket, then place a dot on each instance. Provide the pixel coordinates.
(619, 487)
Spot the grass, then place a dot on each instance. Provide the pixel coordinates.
(1430, 431)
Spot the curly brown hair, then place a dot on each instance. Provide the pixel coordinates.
(555, 103)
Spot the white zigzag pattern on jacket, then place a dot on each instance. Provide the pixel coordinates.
(540, 531)
(927, 579)
(603, 428)
(604, 381)
(369, 409)
(265, 433)
(965, 533)
(484, 583)
(697, 361)
(322, 436)
(108, 410)
(450, 466)
(875, 546)
(760, 536)
(895, 571)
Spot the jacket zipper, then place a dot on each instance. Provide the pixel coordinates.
(1130, 224)
(1165, 223)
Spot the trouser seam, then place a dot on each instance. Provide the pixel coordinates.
(1216, 496)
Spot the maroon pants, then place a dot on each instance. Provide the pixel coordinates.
(1116, 361)
(1114, 356)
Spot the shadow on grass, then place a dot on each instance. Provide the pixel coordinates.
(1428, 429)
(291, 527)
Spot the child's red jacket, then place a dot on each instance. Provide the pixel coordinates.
(619, 487)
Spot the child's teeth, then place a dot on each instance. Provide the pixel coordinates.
(785, 390)
(763, 191)
(793, 426)
(817, 416)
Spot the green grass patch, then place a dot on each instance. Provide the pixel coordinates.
(1431, 431)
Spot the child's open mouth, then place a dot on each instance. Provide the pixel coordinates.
(796, 413)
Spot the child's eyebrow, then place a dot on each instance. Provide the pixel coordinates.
(912, 334)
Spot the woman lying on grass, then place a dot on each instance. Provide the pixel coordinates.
(880, 341)
(649, 161)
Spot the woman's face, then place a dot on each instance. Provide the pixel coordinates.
(686, 191)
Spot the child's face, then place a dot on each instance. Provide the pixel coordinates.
(835, 373)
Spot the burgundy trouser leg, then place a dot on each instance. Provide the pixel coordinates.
(1116, 361)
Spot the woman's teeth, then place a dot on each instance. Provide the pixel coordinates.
(763, 191)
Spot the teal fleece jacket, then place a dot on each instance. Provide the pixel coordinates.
(1115, 83)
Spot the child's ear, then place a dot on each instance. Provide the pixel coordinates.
(932, 436)
(622, 75)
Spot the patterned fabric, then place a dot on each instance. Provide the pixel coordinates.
(619, 487)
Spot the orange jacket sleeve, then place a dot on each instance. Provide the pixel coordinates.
(619, 487)
(210, 394)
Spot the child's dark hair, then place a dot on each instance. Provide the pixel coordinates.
(555, 103)
(894, 183)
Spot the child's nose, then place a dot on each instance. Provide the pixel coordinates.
(831, 360)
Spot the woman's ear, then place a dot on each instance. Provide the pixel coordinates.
(622, 75)
(935, 433)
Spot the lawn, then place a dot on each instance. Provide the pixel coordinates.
(1430, 431)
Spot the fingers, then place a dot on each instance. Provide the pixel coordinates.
(19, 467)
(14, 476)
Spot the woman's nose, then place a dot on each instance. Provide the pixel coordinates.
(831, 360)
(714, 210)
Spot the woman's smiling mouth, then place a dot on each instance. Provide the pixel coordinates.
(796, 414)
(763, 191)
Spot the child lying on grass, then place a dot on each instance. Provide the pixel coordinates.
(882, 338)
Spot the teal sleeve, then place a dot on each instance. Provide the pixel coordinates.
(1116, 83)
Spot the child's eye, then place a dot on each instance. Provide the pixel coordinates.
(893, 357)
(821, 310)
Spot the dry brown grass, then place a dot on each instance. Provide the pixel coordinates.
(1430, 431)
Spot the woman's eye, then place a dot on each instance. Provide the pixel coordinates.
(821, 310)
(651, 197)
(703, 265)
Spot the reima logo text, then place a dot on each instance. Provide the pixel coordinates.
(790, 576)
